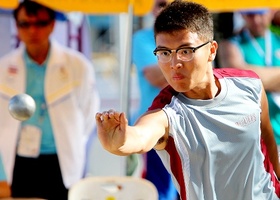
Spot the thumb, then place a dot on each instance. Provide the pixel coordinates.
(123, 121)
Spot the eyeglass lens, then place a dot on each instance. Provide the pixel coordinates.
(184, 54)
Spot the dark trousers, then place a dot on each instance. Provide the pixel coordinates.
(38, 177)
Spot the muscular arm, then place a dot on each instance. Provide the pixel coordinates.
(119, 138)
(268, 136)
(230, 56)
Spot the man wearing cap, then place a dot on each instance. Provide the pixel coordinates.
(256, 48)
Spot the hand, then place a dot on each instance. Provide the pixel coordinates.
(111, 129)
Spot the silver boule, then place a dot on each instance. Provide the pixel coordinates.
(22, 106)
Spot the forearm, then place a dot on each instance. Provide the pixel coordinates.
(158, 81)
(155, 77)
(117, 137)
(133, 143)
(270, 77)
(120, 138)
(230, 56)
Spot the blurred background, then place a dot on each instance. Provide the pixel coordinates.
(101, 38)
(105, 38)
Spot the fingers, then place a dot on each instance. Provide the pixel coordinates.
(107, 115)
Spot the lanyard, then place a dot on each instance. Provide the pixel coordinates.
(266, 54)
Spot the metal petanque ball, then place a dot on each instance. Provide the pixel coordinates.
(22, 106)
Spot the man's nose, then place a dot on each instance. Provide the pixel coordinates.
(175, 61)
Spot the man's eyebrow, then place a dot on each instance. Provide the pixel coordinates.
(162, 48)
(179, 47)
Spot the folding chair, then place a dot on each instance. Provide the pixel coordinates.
(113, 188)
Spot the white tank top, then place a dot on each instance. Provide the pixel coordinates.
(214, 150)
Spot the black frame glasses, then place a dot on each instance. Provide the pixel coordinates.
(184, 53)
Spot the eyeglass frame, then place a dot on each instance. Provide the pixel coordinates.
(193, 49)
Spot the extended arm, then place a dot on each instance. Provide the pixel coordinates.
(119, 138)
(268, 136)
(230, 56)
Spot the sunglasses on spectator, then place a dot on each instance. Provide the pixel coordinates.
(37, 24)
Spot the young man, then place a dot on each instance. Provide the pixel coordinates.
(44, 155)
(209, 136)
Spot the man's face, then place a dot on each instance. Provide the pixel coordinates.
(258, 23)
(186, 76)
(34, 30)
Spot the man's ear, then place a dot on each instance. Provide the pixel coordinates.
(213, 50)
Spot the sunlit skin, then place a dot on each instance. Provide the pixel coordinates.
(36, 39)
(193, 78)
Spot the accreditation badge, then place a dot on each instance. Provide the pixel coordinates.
(29, 141)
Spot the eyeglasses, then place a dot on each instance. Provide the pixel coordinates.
(183, 53)
(37, 24)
